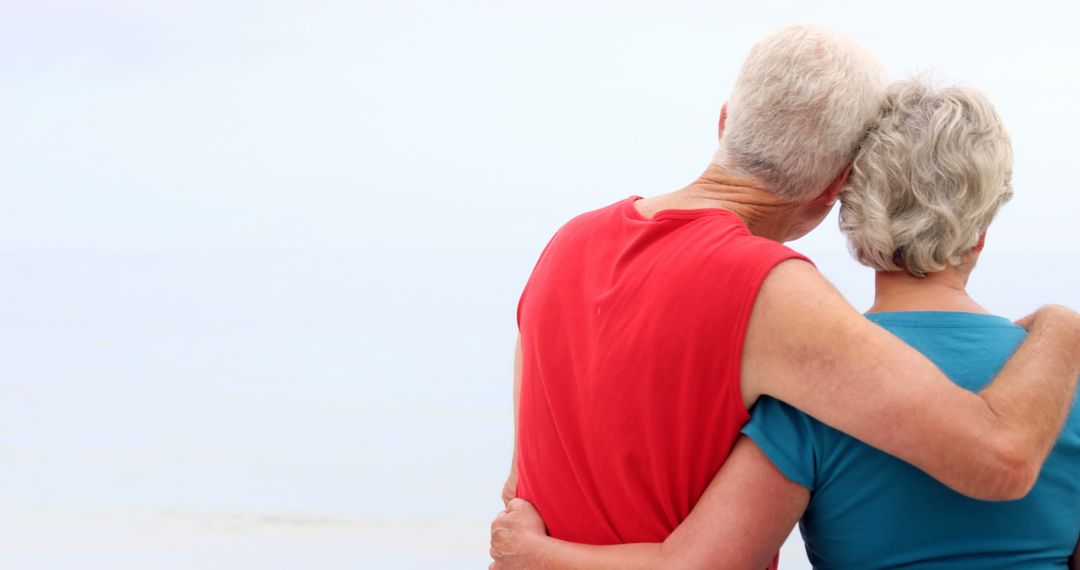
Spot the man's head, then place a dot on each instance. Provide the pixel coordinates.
(800, 106)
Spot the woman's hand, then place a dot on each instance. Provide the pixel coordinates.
(517, 535)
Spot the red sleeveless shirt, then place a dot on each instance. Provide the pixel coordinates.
(632, 334)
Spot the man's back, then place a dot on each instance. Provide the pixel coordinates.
(632, 333)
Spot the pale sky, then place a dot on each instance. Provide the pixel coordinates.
(445, 126)
(394, 168)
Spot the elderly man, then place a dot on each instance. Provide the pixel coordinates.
(650, 326)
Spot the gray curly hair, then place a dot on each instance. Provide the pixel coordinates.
(929, 177)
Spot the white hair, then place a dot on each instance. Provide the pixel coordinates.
(929, 178)
(800, 105)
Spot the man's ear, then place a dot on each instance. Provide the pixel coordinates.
(833, 191)
(723, 121)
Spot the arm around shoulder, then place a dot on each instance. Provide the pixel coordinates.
(806, 345)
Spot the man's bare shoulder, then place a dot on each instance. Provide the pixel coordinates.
(798, 318)
(791, 274)
(795, 283)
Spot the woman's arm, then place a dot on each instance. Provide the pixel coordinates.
(740, 521)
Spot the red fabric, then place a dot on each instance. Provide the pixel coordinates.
(632, 332)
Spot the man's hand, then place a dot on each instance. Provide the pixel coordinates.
(516, 534)
(1045, 312)
(1065, 320)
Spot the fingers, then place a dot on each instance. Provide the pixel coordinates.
(500, 542)
(498, 523)
(499, 532)
(507, 526)
(493, 550)
(1054, 312)
(521, 506)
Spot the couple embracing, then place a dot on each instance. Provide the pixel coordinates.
(687, 388)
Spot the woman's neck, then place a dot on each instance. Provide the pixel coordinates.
(941, 291)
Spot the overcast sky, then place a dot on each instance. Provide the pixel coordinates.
(442, 143)
(445, 126)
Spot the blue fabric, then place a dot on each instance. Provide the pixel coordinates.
(871, 510)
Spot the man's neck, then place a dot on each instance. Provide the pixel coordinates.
(940, 291)
(765, 214)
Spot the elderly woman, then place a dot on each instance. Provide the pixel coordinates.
(928, 180)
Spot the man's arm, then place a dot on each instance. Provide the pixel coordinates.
(806, 345)
(1074, 562)
(510, 487)
(740, 521)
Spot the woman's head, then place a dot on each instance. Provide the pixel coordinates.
(929, 177)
